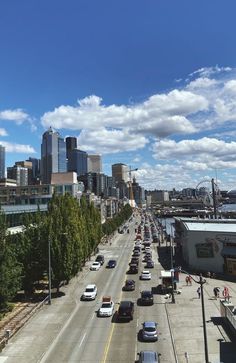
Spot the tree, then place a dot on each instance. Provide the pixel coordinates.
(10, 269)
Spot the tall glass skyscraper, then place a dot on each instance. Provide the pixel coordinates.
(2, 162)
(53, 155)
(77, 161)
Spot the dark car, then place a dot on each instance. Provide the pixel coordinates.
(100, 258)
(149, 264)
(148, 356)
(134, 260)
(125, 310)
(111, 264)
(146, 297)
(129, 285)
(133, 268)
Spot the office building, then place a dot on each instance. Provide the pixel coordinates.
(77, 161)
(18, 173)
(94, 164)
(2, 162)
(71, 144)
(120, 172)
(53, 155)
(35, 177)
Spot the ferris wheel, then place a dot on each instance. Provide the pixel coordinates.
(207, 193)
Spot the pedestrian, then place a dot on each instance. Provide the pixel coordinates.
(187, 280)
(190, 280)
(199, 292)
(225, 293)
(216, 292)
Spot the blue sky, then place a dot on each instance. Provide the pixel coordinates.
(151, 84)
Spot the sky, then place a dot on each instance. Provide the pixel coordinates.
(147, 83)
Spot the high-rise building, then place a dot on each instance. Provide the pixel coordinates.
(18, 173)
(120, 172)
(35, 177)
(77, 161)
(53, 155)
(71, 144)
(94, 164)
(2, 162)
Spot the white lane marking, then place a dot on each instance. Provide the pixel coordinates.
(81, 342)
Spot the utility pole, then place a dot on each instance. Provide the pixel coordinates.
(49, 272)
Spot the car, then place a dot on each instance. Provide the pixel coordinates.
(134, 261)
(90, 292)
(129, 285)
(148, 356)
(149, 331)
(95, 266)
(101, 259)
(125, 310)
(136, 253)
(145, 275)
(111, 264)
(146, 297)
(149, 264)
(133, 268)
(106, 308)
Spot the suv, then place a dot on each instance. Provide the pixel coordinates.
(146, 297)
(100, 258)
(125, 311)
(90, 292)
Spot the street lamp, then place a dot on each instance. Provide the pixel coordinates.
(201, 282)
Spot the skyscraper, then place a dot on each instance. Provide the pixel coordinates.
(94, 164)
(71, 144)
(120, 172)
(77, 161)
(2, 162)
(53, 155)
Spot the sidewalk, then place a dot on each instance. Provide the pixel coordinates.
(186, 322)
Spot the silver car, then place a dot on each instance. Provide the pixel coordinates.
(149, 331)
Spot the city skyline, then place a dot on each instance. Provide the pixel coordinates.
(152, 85)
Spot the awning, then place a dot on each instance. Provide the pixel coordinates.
(229, 251)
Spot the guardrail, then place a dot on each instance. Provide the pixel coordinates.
(228, 312)
(18, 321)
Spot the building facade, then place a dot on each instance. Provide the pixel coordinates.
(94, 164)
(77, 161)
(53, 155)
(120, 172)
(2, 162)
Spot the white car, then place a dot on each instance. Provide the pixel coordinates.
(95, 266)
(146, 275)
(90, 292)
(107, 307)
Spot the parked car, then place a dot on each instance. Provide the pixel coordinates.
(125, 310)
(148, 356)
(129, 285)
(149, 331)
(95, 266)
(90, 292)
(111, 264)
(107, 307)
(146, 275)
(101, 259)
(146, 297)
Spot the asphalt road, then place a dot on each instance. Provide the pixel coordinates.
(70, 331)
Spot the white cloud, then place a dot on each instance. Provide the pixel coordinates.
(17, 115)
(110, 141)
(3, 132)
(17, 148)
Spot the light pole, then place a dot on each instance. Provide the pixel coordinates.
(49, 272)
(201, 282)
